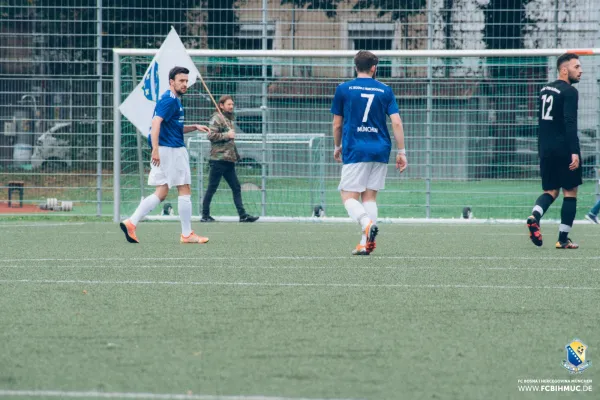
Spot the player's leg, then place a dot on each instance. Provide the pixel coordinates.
(369, 201)
(157, 178)
(570, 181)
(592, 215)
(567, 216)
(375, 183)
(232, 180)
(146, 206)
(352, 183)
(550, 185)
(185, 215)
(214, 178)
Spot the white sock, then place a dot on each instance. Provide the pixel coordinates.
(144, 208)
(357, 212)
(371, 209)
(185, 214)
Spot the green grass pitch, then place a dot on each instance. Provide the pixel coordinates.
(281, 310)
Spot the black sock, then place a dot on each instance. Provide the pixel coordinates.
(544, 202)
(567, 216)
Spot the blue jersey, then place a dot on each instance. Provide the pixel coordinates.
(365, 104)
(170, 109)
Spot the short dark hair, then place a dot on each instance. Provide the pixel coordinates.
(224, 98)
(364, 60)
(177, 70)
(565, 58)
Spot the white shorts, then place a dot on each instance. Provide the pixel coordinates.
(174, 169)
(359, 177)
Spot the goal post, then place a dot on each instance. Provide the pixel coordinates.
(470, 120)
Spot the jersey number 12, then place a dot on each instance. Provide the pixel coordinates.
(369, 102)
(548, 100)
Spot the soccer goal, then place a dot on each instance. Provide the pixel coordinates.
(470, 120)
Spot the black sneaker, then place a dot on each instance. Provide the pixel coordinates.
(248, 218)
(534, 231)
(207, 218)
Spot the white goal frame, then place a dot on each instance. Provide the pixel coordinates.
(265, 54)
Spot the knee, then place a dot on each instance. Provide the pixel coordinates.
(162, 193)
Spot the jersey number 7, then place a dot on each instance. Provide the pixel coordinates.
(369, 102)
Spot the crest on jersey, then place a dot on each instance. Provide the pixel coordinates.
(576, 353)
(151, 81)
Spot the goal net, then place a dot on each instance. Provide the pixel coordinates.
(470, 121)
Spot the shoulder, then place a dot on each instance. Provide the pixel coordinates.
(216, 119)
(381, 84)
(569, 91)
(343, 86)
(167, 98)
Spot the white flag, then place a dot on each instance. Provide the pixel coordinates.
(139, 106)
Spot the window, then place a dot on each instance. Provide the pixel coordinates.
(373, 36)
(251, 38)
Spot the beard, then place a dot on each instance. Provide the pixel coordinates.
(180, 92)
(573, 79)
(229, 115)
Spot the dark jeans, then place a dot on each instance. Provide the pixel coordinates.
(225, 169)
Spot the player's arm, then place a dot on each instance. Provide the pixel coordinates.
(154, 134)
(338, 122)
(337, 109)
(570, 117)
(215, 133)
(398, 130)
(192, 128)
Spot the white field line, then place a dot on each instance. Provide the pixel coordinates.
(338, 220)
(300, 267)
(40, 225)
(150, 396)
(251, 258)
(295, 284)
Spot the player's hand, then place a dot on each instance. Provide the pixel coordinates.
(574, 162)
(155, 157)
(231, 134)
(337, 154)
(401, 162)
(202, 128)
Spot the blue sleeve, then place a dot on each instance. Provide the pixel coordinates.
(166, 108)
(337, 108)
(392, 107)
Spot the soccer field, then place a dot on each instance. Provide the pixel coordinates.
(282, 311)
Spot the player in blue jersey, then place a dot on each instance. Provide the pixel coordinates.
(170, 164)
(363, 145)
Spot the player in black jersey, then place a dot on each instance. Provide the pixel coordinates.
(559, 151)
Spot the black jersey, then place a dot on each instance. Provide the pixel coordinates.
(558, 119)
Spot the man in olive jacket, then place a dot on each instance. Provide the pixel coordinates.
(223, 156)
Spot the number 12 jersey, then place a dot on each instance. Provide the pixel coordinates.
(558, 120)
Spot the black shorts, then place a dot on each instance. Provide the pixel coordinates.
(556, 174)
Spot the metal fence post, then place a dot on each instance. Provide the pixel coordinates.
(116, 137)
(263, 109)
(99, 108)
(428, 158)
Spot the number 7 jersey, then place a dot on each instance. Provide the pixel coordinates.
(558, 102)
(364, 104)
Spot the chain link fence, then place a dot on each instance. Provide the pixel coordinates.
(56, 88)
